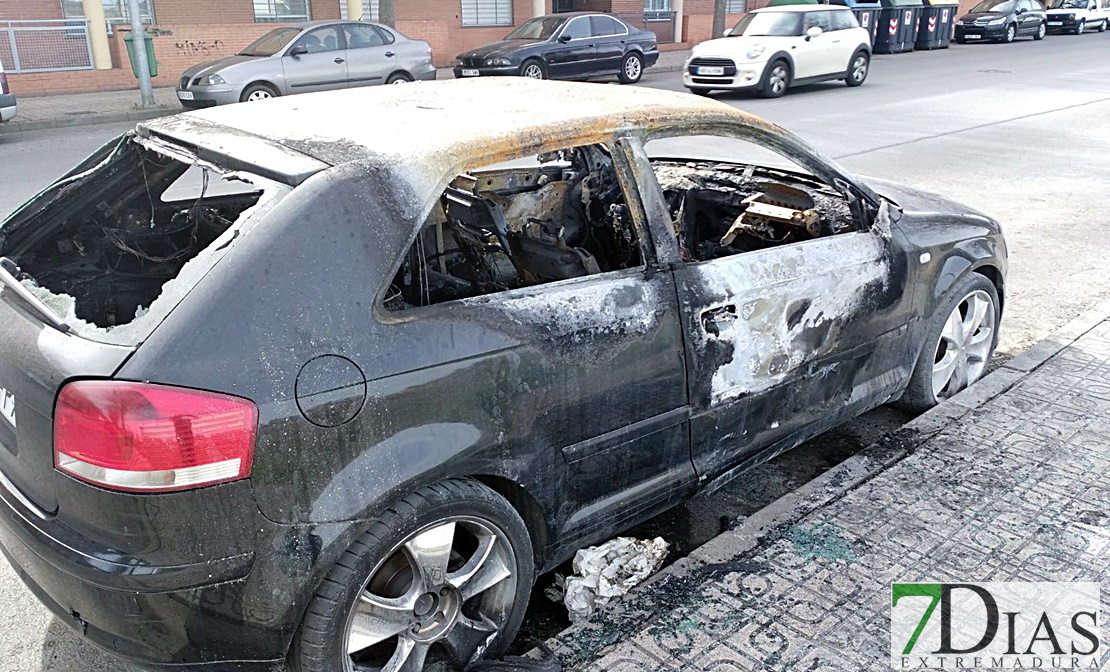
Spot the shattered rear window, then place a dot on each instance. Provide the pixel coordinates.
(112, 247)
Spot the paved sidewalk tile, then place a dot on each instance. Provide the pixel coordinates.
(1017, 490)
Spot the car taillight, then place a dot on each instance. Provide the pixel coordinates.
(140, 437)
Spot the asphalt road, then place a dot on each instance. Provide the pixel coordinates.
(1020, 131)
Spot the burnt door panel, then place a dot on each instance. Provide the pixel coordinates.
(783, 338)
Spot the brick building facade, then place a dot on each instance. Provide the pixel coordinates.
(189, 31)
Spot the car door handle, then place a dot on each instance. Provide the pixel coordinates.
(338, 60)
(716, 319)
(389, 54)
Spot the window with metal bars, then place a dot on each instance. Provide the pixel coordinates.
(266, 11)
(369, 11)
(736, 6)
(115, 11)
(487, 12)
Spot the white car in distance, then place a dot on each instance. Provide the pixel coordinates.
(774, 48)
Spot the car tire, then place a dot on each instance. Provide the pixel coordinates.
(775, 80)
(1042, 30)
(258, 91)
(858, 67)
(632, 68)
(959, 342)
(1102, 26)
(700, 92)
(533, 69)
(399, 78)
(1011, 33)
(1080, 27)
(440, 574)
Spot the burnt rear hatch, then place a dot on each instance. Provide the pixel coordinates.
(104, 254)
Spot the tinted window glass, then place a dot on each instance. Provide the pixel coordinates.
(271, 43)
(844, 21)
(822, 20)
(362, 36)
(387, 36)
(320, 40)
(577, 29)
(603, 25)
(537, 29)
(777, 24)
(1000, 6)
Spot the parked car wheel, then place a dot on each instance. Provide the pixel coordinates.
(1011, 33)
(442, 577)
(256, 92)
(1080, 27)
(962, 335)
(399, 78)
(533, 69)
(1041, 31)
(857, 69)
(632, 69)
(1102, 26)
(776, 80)
(701, 92)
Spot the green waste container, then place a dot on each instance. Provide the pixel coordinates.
(152, 62)
(938, 18)
(897, 29)
(867, 14)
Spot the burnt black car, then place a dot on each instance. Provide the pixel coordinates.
(576, 45)
(1002, 21)
(280, 384)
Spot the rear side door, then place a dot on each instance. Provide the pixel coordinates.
(317, 61)
(609, 40)
(573, 53)
(369, 59)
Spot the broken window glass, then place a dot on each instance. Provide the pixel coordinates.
(100, 245)
(562, 215)
(728, 196)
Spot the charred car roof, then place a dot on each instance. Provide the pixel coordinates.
(429, 131)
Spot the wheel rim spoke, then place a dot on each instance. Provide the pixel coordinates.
(485, 569)
(952, 331)
(377, 618)
(944, 371)
(409, 657)
(976, 313)
(430, 551)
(469, 639)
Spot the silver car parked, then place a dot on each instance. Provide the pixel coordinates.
(308, 56)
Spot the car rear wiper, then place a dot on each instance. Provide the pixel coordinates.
(8, 269)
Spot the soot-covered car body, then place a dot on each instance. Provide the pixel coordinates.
(340, 396)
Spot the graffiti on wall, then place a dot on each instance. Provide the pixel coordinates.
(200, 47)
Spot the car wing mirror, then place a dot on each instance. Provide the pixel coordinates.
(299, 50)
(1021, 10)
(564, 38)
(813, 31)
(728, 32)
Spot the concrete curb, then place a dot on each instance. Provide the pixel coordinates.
(725, 549)
(164, 110)
(88, 119)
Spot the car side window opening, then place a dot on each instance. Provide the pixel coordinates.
(741, 197)
(562, 215)
(821, 20)
(321, 40)
(601, 26)
(844, 21)
(577, 29)
(359, 37)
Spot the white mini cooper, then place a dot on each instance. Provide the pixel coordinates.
(775, 48)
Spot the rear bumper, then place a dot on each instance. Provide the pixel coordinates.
(7, 106)
(425, 73)
(194, 615)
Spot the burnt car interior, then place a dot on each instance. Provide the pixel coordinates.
(113, 236)
(510, 227)
(720, 209)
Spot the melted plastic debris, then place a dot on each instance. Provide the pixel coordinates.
(610, 570)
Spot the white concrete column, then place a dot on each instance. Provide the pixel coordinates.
(676, 7)
(98, 34)
(539, 7)
(354, 10)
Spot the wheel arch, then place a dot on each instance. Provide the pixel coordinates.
(782, 56)
(262, 82)
(527, 508)
(401, 71)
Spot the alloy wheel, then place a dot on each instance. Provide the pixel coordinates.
(532, 71)
(260, 94)
(1011, 33)
(859, 68)
(632, 68)
(1041, 31)
(440, 598)
(777, 79)
(964, 345)
(1080, 27)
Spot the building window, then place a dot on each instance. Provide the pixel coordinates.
(736, 6)
(115, 11)
(657, 6)
(487, 12)
(369, 11)
(281, 10)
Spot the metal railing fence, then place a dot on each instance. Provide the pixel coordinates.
(662, 23)
(47, 45)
